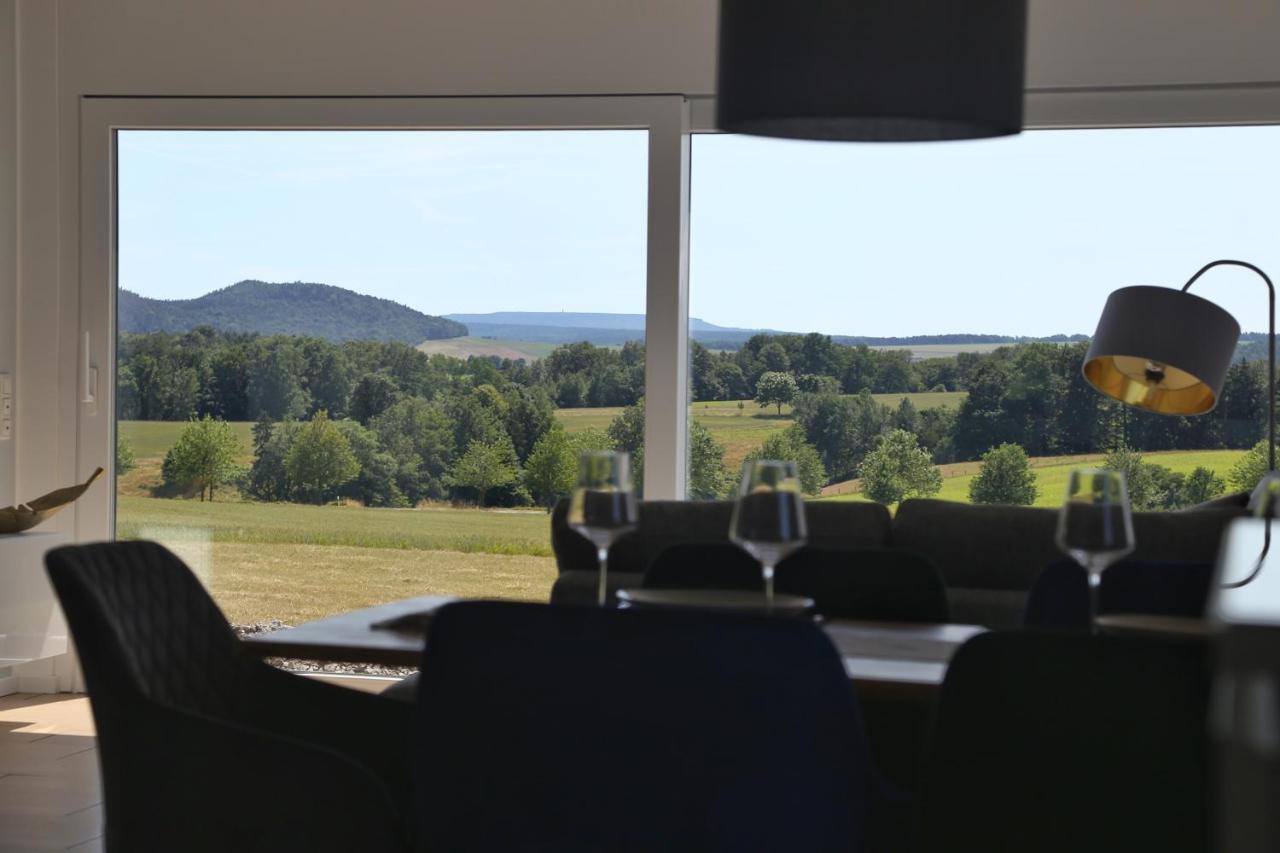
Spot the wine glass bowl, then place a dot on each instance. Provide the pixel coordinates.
(1095, 525)
(768, 518)
(602, 507)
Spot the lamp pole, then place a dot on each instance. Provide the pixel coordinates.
(1271, 348)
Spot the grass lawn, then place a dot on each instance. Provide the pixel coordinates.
(1052, 471)
(296, 563)
(298, 583)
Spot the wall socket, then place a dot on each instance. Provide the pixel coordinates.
(6, 407)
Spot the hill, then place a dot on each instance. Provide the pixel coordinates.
(298, 308)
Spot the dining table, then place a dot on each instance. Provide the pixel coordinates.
(896, 669)
(879, 657)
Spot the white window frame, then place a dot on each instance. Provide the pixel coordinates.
(669, 119)
(664, 117)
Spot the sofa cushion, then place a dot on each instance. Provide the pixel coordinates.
(666, 523)
(1006, 547)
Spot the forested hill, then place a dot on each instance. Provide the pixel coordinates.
(298, 308)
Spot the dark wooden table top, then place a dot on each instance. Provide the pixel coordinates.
(874, 653)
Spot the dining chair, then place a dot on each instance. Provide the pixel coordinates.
(1059, 598)
(203, 748)
(875, 584)
(544, 727)
(1067, 742)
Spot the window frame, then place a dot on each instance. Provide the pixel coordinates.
(664, 117)
(670, 119)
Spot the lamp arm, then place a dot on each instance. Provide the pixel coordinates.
(1271, 348)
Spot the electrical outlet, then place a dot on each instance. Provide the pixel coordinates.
(6, 407)
(6, 429)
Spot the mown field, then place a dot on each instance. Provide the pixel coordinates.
(1052, 471)
(297, 563)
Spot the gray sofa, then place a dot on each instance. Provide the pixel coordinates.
(989, 556)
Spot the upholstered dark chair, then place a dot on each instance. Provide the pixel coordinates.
(1067, 742)
(581, 729)
(1060, 596)
(880, 584)
(204, 748)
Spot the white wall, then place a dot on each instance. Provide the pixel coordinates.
(69, 48)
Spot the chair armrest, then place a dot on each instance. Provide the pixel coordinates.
(197, 784)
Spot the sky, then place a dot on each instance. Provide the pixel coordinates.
(1020, 236)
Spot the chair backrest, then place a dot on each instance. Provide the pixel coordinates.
(576, 729)
(1067, 742)
(1060, 596)
(848, 524)
(880, 584)
(990, 555)
(145, 628)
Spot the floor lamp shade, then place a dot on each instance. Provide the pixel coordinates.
(871, 70)
(1162, 350)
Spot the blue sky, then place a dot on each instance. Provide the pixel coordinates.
(1025, 235)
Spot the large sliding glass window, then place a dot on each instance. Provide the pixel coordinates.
(355, 366)
(890, 313)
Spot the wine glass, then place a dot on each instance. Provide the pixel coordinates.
(1095, 527)
(768, 519)
(603, 505)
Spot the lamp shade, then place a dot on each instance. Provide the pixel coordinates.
(871, 70)
(1162, 350)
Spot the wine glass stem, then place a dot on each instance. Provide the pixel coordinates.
(768, 587)
(1095, 586)
(602, 556)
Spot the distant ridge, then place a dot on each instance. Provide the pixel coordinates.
(560, 327)
(296, 308)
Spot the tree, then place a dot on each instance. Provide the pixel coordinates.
(551, 470)
(373, 395)
(1139, 480)
(1250, 468)
(708, 478)
(275, 385)
(125, 460)
(203, 457)
(790, 446)
(268, 480)
(1202, 485)
(485, 465)
(898, 468)
(419, 436)
(320, 459)
(375, 485)
(776, 388)
(1005, 478)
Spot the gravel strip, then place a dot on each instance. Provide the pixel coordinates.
(296, 665)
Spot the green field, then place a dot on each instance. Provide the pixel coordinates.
(1051, 473)
(742, 430)
(296, 563)
(152, 439)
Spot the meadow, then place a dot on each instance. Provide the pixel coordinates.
(742, 430)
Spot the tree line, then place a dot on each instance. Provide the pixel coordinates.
(424, 427)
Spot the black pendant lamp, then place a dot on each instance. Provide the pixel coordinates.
(871, 70)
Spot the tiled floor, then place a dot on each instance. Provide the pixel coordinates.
(49, 790)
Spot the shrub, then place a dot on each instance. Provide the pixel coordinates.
(1005, 478)
(790, 445)
(898, 468)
